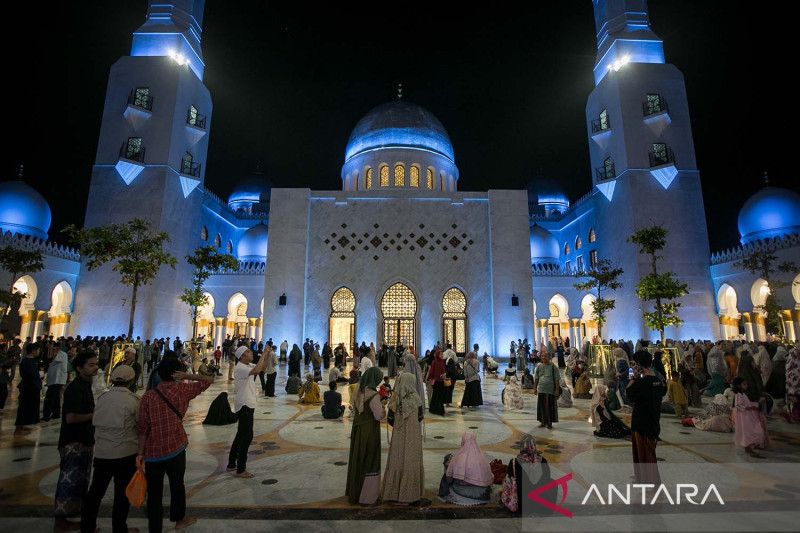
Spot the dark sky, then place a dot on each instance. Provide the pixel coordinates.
(509, 82)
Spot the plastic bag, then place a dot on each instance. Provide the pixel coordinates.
(137, 486)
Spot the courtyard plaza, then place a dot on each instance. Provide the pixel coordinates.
(300, 463)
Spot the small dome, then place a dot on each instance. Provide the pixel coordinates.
(253, 244)
(399, 124)
(251, 190)
(771, 212)
(23, 210)
(544, 247)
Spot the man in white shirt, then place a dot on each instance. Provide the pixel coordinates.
(244, 405)
(56, 379)
(449, 354)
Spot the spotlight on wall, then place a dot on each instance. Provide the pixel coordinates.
(514, 300)
(178, 57)
(282, 299)
(619, 63)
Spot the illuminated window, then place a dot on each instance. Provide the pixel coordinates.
(141, 97)
(343, 303)
(661, 154)
(229, 247)
(593, 259)
(604, 124)
(217, 241)
(554, 310)
(384, 171)
(133, 149)
(204, 233)
(399, 175)
(414, 177)
(579, 263)
(567, 249)
(653, 103)
(578, 243)
(241, 309)
(429, 178)
(368, 179)
(592, 235)
(454, 319)
(399, 309)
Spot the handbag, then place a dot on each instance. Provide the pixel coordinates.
(508, 497)
(447, 382)
(137, 486)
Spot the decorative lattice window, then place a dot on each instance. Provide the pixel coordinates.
(554, 310)
(204, 233)
(399, 175)
(368, 179)
(217, 241)
(229, 247)
(399, 302)
(429, 178)
(567, 249)
(592, 235)
(604, 124)
(241, 309)
(454, 303)
(343, 303)
(593, 259)
(414, 176)
(578, 243)
(384, 172)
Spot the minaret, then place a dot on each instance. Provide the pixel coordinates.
(150, 160)
(643, 163)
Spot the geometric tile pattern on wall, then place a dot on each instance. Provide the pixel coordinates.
(377, 243)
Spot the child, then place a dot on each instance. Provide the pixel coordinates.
(527, 379)
(511, 371)
(677, 396)
(385, 390)
(749, 420)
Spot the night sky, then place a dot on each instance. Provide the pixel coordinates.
(508, 83)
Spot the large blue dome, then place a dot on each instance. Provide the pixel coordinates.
(771, 212)
(544, 247)
(251, 190)
(399, 124)
(23, 210)
(253, 244)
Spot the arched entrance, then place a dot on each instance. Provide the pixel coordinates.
(758, 296)
(205, 318)
(27, 313)
(558, 324)
(454, 320)
(727, 302)
(237, 316)
(342, 322)
(589, 326)
(399, 310)
(61, 303)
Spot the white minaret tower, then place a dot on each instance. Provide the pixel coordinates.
(150, 159)
(642, 154)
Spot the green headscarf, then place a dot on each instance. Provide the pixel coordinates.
(371, 379)
(405, 399)
(750, 373)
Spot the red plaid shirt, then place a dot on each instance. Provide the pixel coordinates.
(161, 426)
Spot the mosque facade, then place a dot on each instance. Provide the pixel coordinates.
(400, 253)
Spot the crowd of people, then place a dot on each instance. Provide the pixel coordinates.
(121, 404)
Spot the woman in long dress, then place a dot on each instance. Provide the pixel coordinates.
(364, 464)
(436, 375)
(404, 479)
(603, 419)
(546, 386)
(473, 396)
(411, 366)
(793, 386)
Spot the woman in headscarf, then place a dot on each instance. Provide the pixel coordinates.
(326, 355)
(295, 356)
(365, 364)
(436, 376)
(715, 417)
(219, 412)
(309, 392)
(717, 369)
(583, 385)
(404, 478)
(603, 419)
(793, 386)
(764, 364)
(364, 464)
(512, 395)
(473, 397)
(411, 366)
(392, 362)
(776, 385)
(565, 399)
(528, 460)
(469, 476)
(748, 371)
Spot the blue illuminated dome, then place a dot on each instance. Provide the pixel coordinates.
(399, 124)
(252, 190)
(23, 210)
(253, 244)
(544, 247)
(771, 212)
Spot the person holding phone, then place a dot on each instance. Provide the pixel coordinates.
(645, 391)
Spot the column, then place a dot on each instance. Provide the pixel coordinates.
(796, 322)
(542, 332)
(219, 331)
(575, 338)
(759, 327)
(38, 323)
(59, 325)
(251, 328)
(27, 319)
(259, 329)
(788, 325)
(748, 327)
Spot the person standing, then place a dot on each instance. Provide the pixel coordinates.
(404, 479)
(56, 379)
(75, 442)
(163, 440)
(270, 369)
(14, 356)
(451, 366)
(284, 349)
(115, 449)
(364, 465)
(645, 391)
(130, 360)
(546, 385)
(436, 376)
(30, 387)
(473, 396)
(244, 406)
(295, 358)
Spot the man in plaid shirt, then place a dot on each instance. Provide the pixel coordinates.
(163, 441)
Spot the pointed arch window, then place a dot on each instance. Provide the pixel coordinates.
(204, 233)
(218, 241)
(578, 243)
(592, 235)
(384, 175)
(368, 179)
(414, 176)
(454, 319)
(429, 178)
(567, 249)
(399, 175)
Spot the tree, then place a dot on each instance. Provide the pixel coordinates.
(663, 289)
(602, 277)
(764, 263)
(135, 249)
(206, 261)
(16, 262)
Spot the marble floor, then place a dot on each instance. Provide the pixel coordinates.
(300, 464)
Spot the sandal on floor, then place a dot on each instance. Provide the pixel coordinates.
(245, 474)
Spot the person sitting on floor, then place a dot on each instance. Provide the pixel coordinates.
(527, 379)
(293, 384)
(565, 400)
(332, 407)
(219, 412)
(603, 419)
(468, 476)
(309, 392)
(510, 371)
(677, 401)
(512, 395)
(583, 386)
(715, 417)
(490, 364)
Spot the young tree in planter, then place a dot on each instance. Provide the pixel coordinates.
(135, 249)
(16, 262)
(206, 261)
(662, 289)
(764, 263)
(602, 277)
